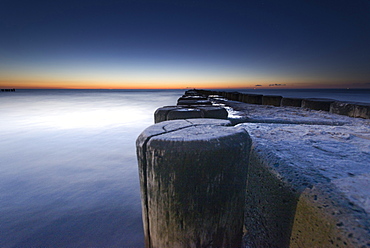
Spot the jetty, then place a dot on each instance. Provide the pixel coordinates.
(225, 169)
(7, 90)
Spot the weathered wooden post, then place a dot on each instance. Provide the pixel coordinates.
(184, 112)
(193, 180)
(161, 113)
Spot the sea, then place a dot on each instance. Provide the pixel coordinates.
(68, 168)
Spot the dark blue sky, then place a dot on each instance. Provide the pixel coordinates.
(135, 44)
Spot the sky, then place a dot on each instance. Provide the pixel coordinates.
(184, 44)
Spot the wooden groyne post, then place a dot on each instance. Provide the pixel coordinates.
(193, 183)
(7, 90)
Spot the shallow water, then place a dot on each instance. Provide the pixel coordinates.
(68, 170)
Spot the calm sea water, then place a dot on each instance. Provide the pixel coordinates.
(68, 170)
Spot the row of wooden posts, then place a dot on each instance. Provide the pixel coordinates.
(7, 90)
(351, 109)
(193, 174)
(202, 180)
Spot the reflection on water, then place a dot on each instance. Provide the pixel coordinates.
(68, 170)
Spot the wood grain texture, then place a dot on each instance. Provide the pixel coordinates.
(193, 182)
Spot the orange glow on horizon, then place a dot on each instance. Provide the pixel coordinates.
(35, 84)
(237, 84)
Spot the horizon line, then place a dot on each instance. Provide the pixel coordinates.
(181, 88)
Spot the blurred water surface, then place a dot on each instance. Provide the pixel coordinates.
(68, 170)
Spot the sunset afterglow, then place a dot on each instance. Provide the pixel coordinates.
(178, 44)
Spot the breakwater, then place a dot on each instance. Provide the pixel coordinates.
(7, 90)
(305, 177)
(352, 109)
